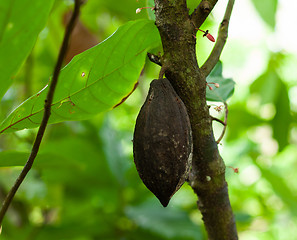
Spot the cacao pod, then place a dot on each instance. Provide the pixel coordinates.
(162, 144)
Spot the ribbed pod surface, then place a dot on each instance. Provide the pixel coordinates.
(162, 143)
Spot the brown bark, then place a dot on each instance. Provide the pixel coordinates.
(180, 65)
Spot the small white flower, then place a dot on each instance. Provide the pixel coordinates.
(138, 10)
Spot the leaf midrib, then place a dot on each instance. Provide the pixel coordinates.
(82, 89)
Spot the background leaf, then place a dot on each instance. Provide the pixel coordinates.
(96, 80)
(267, 10)
(239, 119)
(168, 222)
(280, 187)
(226, 88)
(113, 149)
(271, 89)
(43, 160)
(282, 119)
(150, 13)
(20, 23)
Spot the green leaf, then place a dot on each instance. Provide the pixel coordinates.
(239, 120)
(226, 85)
(170, 222)
(217, 71)
(267, 10)
(150, 13)
(77, 152)
(280, 187)
(20, 23)
(96, 80)
(266, 86)
(272, 89)
(43, 160)
(113, 149)
(282, 119)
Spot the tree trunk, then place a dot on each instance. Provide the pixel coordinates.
(207, 178)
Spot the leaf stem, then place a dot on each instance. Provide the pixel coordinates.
(46, 115)
(218, 120)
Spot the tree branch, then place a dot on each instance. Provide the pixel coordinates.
(220, 43)
(218, 120)
(207, 177)
(46, 115)
(202, 11)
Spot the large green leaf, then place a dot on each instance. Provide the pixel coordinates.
(267, 10)
(20, 23)
(226, 85)
(96, 80)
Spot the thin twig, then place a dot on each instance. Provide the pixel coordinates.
(224, 123)
(220, 43)
(46, 115)
(218, 120)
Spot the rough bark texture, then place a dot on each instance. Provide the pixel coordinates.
(180, 65)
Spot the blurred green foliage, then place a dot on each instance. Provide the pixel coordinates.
(15, 29)
(84, 184)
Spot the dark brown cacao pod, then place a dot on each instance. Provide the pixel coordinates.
(162, 144)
